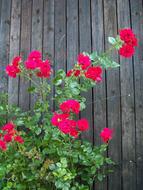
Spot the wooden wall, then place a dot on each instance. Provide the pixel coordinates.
(61, 29)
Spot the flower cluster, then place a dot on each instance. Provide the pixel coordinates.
(34, 63)
(13, 69)
(9, 134)
(70, 106)
(129, 42)
(106, 134)
(86, 69)
(63, 121)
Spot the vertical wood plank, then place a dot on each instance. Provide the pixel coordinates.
(37, 33)
(113, 97)
(100, 90)
(4, 42)
(60, 35)
(48, 37)
(85, 45)
(14, 48)
(137, 25)
(72, 32)
(127, 105)
(25, 49)
(0, 10)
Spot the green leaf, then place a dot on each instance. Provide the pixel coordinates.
(73, 84)
(52, 167)
(109, 161)
(64, 162)
(111, 40)
(38, 131)
(93, 55)
(106, 62)
(61, 73)
(59, 164)
(58, 81)
(82, 106)
(31, 89)
(9, 184)
(75, 91)
(100, 177)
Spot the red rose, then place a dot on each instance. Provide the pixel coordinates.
(3, 145)
(34, 55)
(70, 106)
(57, 118)
(67, 126)
(74, 133)
(8, 127)
(76, 73)
(84, 61)
(94, 73)
(7, 138)
(69, 73)
(128, 37)
(64, 127)
(12, 70)
(16, 60)
(126, 50)
(83, 124)
(30, 64)
(44, 69)
(19, 139)
(106, 134)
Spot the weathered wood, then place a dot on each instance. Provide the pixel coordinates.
(63, 28)
(60, 35)
(113, 96)
(127, 106)
(24, 50)
(85, 45)
(99, 97)
(48, 38)
(137, 25)
(48, 35)
(13, 85)
(37, 34)
(5, 7)
(72, 32)
(0, 11)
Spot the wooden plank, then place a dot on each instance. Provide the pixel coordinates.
(72, 33)
(99, 97)
(0, 10)
(25, 49)
(4, 42)
(60, 35)
(85, 45)
(48, 37)
(113, 97)
(37, 33)
(14, 48)
(127, 105)
(99, 90)
(137, 25)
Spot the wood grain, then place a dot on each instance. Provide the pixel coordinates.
(62, 29)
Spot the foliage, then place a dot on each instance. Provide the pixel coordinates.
(53, 155)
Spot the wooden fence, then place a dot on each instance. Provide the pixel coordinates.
(61, 29)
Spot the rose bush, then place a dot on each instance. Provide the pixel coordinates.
(42, 149)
